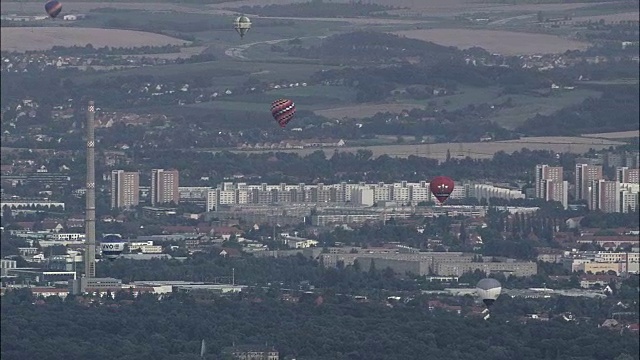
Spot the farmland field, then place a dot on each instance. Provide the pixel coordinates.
(626, 16)
(524, 106)
(434, 8)
(503, 42)
(478, 150)
(41, 38)
(615, 135)
(364, 110)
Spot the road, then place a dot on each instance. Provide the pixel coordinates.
(506, 20)
(237, 51)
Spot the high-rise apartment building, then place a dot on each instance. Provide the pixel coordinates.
(557, 191)
(585, 174)
(164, 186)
(125, 189)
(626, 175)
(550, 184)
(605, 196)
(546, 172)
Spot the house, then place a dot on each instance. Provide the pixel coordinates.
(52, 226)
(228, 252)
(610, 324)
(252, 352)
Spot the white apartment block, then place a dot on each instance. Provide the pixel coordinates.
(361, 194)
(629, 197)
(616, 257)
(483, 191)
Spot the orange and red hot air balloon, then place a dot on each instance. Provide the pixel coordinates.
(441, 187)
(283, 111)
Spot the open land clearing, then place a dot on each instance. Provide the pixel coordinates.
(22, 39)
(502, 42)
(478, 150)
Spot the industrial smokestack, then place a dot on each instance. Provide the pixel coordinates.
(90, 214)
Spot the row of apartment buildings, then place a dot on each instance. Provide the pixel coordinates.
(595, 261)
(359, 194)
(125, 192)
(618, 195)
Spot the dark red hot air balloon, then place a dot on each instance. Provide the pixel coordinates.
(441, 187)
(283, 111)
(53, 8)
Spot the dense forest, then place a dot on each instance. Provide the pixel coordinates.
(351, 167)
(616, 110)
(332, 328)
(375, 47)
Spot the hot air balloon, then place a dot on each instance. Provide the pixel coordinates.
(441, 187)
(53, 8)
(283, 111)
(112, 246)
(242, 24)
(488, 290)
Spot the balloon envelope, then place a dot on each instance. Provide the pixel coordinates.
(441, 187)
(242, 24)
(283, 111)
(53, 8)
(112, 246)
(488, 290)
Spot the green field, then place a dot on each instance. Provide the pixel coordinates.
(524, 106)
(306, 98)
(333, 94)
(232, 106)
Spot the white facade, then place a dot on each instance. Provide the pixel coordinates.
(402, 193)
(66, 236)
(629, 197)
(362, 196)
(483, 191)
